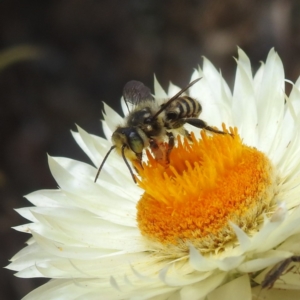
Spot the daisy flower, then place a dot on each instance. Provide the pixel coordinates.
(209, 225)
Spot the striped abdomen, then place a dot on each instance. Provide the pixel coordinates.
(181, 108)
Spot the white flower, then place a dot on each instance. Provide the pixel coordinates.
(110, 240)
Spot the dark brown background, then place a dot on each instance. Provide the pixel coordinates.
(89, 49)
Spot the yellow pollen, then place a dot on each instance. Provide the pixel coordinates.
(207, 183)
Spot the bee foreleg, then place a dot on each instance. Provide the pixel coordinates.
(126, 162)
(201, 124)
(139, 160)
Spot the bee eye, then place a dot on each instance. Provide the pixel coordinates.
(135, 142)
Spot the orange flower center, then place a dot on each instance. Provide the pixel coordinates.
(207, 183)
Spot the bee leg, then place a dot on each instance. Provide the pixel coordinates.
(156, 150)
(139, 159)
(126, 162)
(171, 144)
(201, 124)
(153, 145)
(188, 135)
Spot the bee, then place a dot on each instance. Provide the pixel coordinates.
(149, 123)
(277, 271)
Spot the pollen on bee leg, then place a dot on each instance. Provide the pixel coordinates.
(208, 182)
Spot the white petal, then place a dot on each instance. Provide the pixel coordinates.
(158, 90)
(126, 109)
(275, 294)
(244, 106)
(111, 118)
(48, 198)
(270, 101)
(87, 142)
(243, 239)
(210, 90)
(173, 90)
(236, 289)
(230, 263)
(201, 289)
(170, 280)
(264, 260)
(199, 262)
(25, 212)
(245, 63)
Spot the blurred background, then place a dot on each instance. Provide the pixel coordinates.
(60, 59)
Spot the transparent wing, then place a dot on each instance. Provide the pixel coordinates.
(135, 92)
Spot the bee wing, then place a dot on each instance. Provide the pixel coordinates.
(135, 92)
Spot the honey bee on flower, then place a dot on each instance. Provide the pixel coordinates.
(149, 123)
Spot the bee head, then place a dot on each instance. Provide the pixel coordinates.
(130, 143)
(132, 137)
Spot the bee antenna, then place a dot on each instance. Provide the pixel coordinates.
(104, 159)
(174, 98)
(126, 162)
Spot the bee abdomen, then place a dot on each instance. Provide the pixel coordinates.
(185, 107)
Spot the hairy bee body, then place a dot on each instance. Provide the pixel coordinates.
(140, 131)
(141, 117)
(150, 124)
